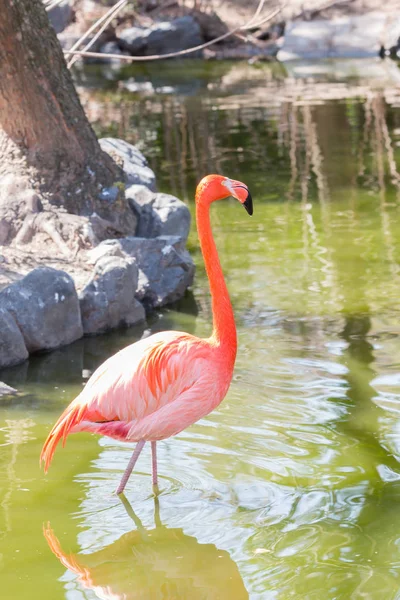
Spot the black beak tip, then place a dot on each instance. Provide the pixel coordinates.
(248, 204)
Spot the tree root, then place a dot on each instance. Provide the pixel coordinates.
(70, 233)
(53, 225)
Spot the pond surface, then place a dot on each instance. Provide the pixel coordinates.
(291, 489)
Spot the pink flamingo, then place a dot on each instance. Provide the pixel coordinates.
(155, 388)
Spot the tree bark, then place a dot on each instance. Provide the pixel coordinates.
(46, 141)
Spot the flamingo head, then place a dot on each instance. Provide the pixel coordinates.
(217, 187)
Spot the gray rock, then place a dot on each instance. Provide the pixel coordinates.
(61, 15)
(12, 345)
(112, 48)
(173, 216)
(127, 152)
(45, 307)
(108, 300)
(133, 162)
(163, 37)
(158, 214)
(166, 269)
(6, 390)
(134, 39)
(106, 248)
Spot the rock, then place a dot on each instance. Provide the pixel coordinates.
(106, 248)
(133, 39)
(166, 269)
(12, 345)
(162, 38)
(45, 306)
(158, 214)
(108, 300)
(131, 160)
(340, 37)
(61, 15)
(211, 25)
(6, 390)
(173, 216)
(112, 48)
(127, 152)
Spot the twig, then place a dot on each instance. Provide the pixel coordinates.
(49, 228)
(106, 23)
(264, 20)
(258, 11)
(94, 26)
(51, 4)
(173, 54)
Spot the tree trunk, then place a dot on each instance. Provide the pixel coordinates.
(47, 145)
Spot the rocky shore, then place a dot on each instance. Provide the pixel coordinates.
(344, 29)
(47, 301)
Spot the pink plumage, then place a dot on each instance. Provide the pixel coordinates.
(155, 388)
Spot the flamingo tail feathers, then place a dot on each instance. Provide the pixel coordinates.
(72, 415)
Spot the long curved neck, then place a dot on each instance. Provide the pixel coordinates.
(224, 329)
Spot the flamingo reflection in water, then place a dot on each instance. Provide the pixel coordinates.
(158, 563)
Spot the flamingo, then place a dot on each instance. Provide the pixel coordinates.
(158, 386)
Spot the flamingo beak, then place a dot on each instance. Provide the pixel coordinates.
(248, 203)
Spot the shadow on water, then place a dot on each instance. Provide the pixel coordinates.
(154, 563)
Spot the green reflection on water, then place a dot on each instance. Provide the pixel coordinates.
(291, 488)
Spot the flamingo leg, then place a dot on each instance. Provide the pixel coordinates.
(154, 462)
(129, 468)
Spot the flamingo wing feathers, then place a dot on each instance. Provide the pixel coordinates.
(125, 393)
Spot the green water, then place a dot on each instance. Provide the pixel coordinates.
(291, 489)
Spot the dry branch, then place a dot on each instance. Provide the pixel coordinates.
(95, 25)
(245, 27)
(112, 14)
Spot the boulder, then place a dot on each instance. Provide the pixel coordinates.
(158, 214)
(133, 39)
(12, 345)
(6, 390)
(166, 269)
(211, 25)
(172, 216)
(108, 300)
(131, 161)
(162, 38)
(45, 306)
(112, 48)
(61, 16)
(106, 248)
